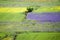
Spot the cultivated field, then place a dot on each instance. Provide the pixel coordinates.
(15, 26)
(36, 9)
(12, 9)
(31, 36)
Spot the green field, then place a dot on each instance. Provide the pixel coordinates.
(11, 17)
(39, 36)
(25, 4)
(48, 9)
(33, 36)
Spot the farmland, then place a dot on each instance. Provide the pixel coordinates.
(12, 20)
(12, 9)
(23, 9)
(33, 36)
(25, 3)
(39, 36)
(10, 23)
(16, 14)
(14, 24)
(48, 9)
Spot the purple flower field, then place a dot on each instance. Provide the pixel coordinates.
(43, 17)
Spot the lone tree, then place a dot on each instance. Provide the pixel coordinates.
(29, 9)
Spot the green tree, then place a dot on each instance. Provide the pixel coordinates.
(29, 9)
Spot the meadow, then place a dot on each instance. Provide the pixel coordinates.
(32, 36)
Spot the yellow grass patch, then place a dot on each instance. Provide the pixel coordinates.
(12, 9)
(48, 9)
(8, 38)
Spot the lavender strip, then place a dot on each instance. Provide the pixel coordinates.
(45, 17)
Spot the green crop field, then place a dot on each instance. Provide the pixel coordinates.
(33, 36)
(11, 17)
(39, 36)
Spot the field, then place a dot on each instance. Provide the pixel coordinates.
(11, 17)
(15, 26)
(12, 9)
(39, 36)
(25, 4)
(48, 9)
(10, 22)
(36, 9)
(33, 36)
(14, 19)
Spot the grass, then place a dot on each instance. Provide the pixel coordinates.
(2, 35)
(25, 4)
(12, 9)
(23, 9)
(36, 36)
(39, 36)
(8, 38)
(48, 9)
(11, 16)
